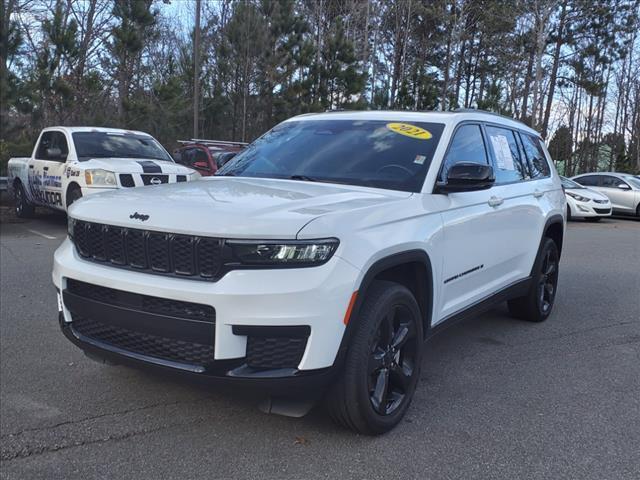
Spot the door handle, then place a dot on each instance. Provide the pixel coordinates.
(538, 193)
(495, 201)
(45, 168)
(30, 166)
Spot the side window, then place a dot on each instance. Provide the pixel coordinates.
(201, 156)
(588, 181)
(52, 140)
(60, 141)
(467, 146)
(535, 156)
(46, 141)
(510, 167)
(610, 182)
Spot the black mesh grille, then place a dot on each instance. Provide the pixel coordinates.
(126, 180)
(146, 303)
(144, 343)
(155, 252)
(276, 352)
(601, 210)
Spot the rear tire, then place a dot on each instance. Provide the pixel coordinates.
(382, 365)
(23, 207)
(537, 304)
(73, 194)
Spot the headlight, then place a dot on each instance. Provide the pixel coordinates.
(100, 177)
(579, 198)
(283, 253)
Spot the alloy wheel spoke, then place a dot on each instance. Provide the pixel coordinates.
(551, 268)
(401, 375)
(376, 360)
(401, 335)
(380, 391)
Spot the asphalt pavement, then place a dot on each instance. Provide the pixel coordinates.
(498, 398)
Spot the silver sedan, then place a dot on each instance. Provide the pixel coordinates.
(622, 189)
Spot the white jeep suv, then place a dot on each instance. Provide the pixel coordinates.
(321, 258)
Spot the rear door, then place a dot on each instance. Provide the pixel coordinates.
(619, 192)
(521, 188)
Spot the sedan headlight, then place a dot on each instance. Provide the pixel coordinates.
(100, 177)
(579, 198)
(283, 253)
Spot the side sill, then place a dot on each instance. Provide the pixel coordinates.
(517, 289)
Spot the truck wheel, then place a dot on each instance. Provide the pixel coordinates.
(24, 208)
(382, 366)
(536, 306)
(73, 194)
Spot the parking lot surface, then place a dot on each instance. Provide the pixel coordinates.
(498, 398)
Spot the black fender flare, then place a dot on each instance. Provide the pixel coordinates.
(393, 260)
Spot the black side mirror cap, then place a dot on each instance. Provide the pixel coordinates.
(467, 177)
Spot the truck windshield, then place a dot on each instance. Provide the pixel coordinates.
(380, 154)
(117, 145)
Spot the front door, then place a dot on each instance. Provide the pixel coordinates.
(475, 234)
(619, 192)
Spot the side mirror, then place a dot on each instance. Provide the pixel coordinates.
(467, 177)
(201, 165)
(55, 154)
(623, 186)
(224, 158)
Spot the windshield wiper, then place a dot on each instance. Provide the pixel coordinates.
(304, 178)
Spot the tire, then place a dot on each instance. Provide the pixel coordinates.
(23, 207)
(568, 213)
(638, 211)
(379, 379)
(73, 194)
(592, 219)
(537, 304)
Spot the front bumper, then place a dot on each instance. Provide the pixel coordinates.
(590, 209)
(313, 298)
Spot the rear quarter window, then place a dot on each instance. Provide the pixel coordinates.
(535, 156)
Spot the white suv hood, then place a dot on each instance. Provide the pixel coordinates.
(229, 207)
(134, 165)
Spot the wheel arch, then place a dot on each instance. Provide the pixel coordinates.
(412, 269)
(70, 187)
(554, 229)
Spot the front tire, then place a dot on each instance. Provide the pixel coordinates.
(382, 366)
(23, 207)
(73, 194)
(536, 306)
(568, 213)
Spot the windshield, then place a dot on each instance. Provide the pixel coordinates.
(566, 183)
(379, 154)
(632, 180)
(117, 145)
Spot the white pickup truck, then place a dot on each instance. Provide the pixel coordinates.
(70, 162)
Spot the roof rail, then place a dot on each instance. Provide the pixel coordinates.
(214, 142)
(487, 112)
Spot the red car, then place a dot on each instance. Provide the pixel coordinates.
(206, 156)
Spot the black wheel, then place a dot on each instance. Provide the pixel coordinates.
(24, 208)
(383, 362)
(568, 213)
(73, 194)
(536, 306)
(638, 210)
(592, 219)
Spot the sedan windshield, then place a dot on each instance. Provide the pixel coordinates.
(379, 154)
(567, 183)
(117, 145)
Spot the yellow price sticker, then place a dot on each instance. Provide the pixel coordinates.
(409, 130)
